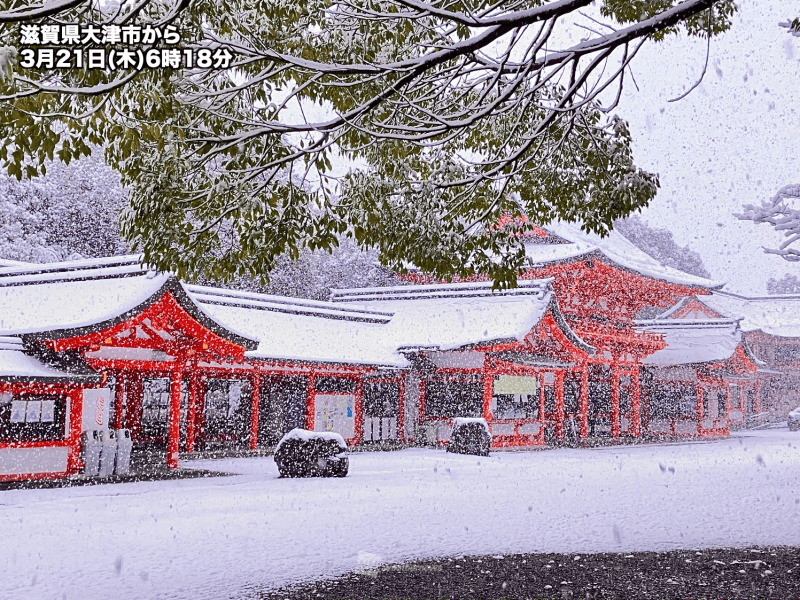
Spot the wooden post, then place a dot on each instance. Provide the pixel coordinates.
(310, 403)
(636, 411)
(75, 418)
(559, 405)
(584, 402)
(401, 410)
(119, 401)
(421, 415)
(614, 400)
(134, 397)
(488, 392)
(191, 410)
(757, 396)
(699, 409)
(358, 409)
(174, 431)
(727, 399)
(255, 395)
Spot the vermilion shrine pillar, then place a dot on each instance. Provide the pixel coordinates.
(488, 391)
(757, 396)
(74, 460)
(191, 411)
(559, 406)
(119, 401)
(636, 411)
(401, 411)
(358, 409)
(421, 415)
(699, 408)
(174, 430)
(255, 398)
(614, 401)
(584, 402)
(310, 408)
(727, 399)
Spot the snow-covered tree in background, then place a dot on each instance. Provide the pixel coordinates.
(782, 213)
(788, 284)
(71, 212)
(660, 244)
(314, 274)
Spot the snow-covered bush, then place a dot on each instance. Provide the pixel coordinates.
(302, 453)
(470, 436)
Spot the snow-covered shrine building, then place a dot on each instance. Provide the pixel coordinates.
(595, 343)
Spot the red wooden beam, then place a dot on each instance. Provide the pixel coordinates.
(255, 394)
(488, 390)
(191, 411)
(614, 401)
(310, 408)
(358, 410)
(559, 404)
(636, 429)
(584, 401)
(174, 423)
(401, 411)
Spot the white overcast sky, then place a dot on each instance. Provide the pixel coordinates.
(734, 140)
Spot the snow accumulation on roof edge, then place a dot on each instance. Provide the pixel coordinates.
(773, 315)
(616, 248)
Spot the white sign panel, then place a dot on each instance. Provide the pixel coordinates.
(515, 384)
(335, 412)
(22, 461)
(95, 409)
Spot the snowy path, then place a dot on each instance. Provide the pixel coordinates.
(223, 537)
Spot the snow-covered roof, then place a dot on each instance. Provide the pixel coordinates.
(15, 365)
(479, 289)
(295, 306)
(458, 315)
(774, 315)
(300, 330)
(55, 296)
(373, 326)
(615, 248)
(691, 307)
(368, 326)
(69, 298)
(691, 341)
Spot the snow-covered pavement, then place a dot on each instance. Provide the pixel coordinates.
(224, 537)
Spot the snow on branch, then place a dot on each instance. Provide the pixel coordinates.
(781, 214)
(453, 113)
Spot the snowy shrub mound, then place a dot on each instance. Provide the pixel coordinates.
(302, 453)
(470, 436)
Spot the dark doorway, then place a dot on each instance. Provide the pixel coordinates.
(599, 400)
(282, 407)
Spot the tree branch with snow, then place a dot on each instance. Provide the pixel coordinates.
(780, 213)
(451, 112)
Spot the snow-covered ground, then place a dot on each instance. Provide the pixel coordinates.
(223, 537)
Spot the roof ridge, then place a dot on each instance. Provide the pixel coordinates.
(70, 265)
(112, 271)
(223, 294)
(479, 289)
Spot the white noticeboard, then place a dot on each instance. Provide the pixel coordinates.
(515, 384)
(335, 412)
(95, 409)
